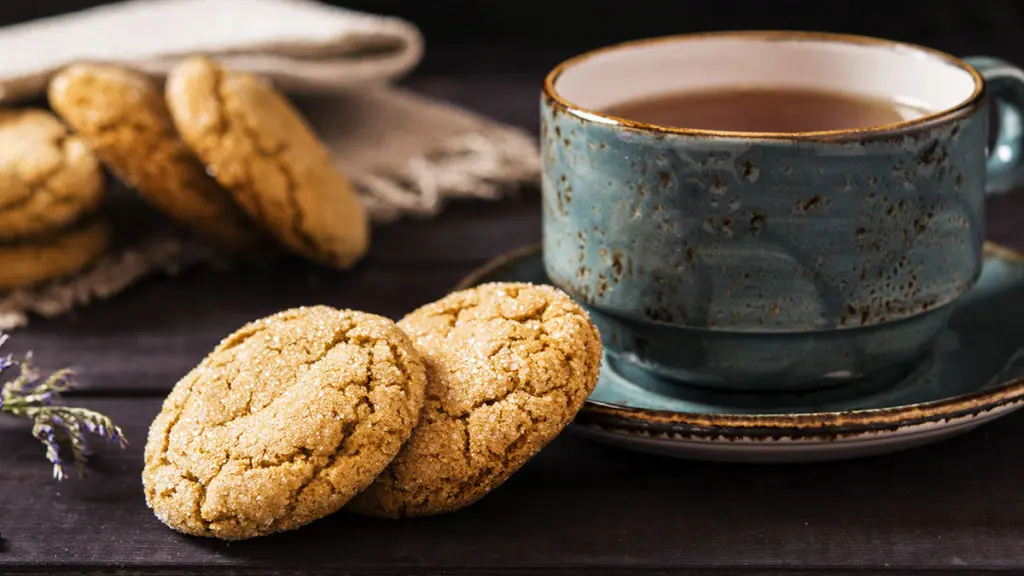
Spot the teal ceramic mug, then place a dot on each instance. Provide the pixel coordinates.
(773, 261)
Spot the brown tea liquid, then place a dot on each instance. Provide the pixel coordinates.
(762, 110)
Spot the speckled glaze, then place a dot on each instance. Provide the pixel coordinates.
(974, 374)
(764, 262)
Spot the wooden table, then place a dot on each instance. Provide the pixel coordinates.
(578, 507)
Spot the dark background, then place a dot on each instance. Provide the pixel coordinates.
(578, 506)
(530, 36)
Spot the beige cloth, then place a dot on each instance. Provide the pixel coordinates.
(406, 154)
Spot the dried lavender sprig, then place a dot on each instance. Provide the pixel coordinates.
(37, 399)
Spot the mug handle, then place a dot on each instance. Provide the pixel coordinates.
(1006, 157)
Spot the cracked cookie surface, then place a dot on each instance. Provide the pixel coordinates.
(508, 367)
(282, 423)
(56, 255)
(122, 115)
(48, 178)
(258, 146)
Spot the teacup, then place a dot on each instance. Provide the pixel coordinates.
(773, 261)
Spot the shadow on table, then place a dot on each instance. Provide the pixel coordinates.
(581, 503)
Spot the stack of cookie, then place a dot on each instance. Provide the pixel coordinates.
(304, 412)
(221, 152)
(50, 186)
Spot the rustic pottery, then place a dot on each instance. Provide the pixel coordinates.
(975, 373)
(773, 261)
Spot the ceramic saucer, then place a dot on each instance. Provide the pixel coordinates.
(974, 375)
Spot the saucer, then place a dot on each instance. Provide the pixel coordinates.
(974, 375)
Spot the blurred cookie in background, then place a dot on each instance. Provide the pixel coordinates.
(48, 177)
(62, 253)
(259, 147)
(122, 116)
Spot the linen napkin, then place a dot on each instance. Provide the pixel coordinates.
(406, 154)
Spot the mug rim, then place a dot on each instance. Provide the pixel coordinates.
(769, 35)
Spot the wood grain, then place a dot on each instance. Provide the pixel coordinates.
(150, 335)
(146, 339)
(578, 508)
(578, 504)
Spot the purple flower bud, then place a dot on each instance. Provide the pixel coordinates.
(29, 396)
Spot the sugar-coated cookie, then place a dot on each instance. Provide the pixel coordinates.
(48, 178)
(508, 367)
(59, 254)
(282, 423)
(122, 115)
(258, 146)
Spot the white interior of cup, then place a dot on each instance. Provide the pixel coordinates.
(921, 82)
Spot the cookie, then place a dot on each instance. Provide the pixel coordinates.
(122, 115)
(284, 422)
(60, 254)
(48, 178)
(508, 367)
(261, 149)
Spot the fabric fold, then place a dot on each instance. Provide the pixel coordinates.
(406, 154)
(301, 45)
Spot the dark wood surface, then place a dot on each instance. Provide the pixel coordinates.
(578, 507)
